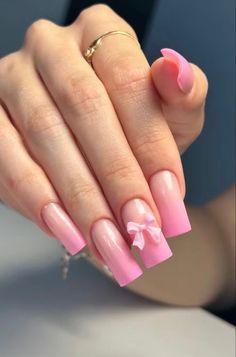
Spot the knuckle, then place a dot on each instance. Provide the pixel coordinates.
(78, 193)
(37, 30)
(149, 142)
(8, 63)
(118, 170)
(26, 178)
(101, 7)
(93, 11)
(41, 120)
(125, 77)
(83, 95)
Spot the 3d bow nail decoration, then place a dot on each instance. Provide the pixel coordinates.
(137, 231)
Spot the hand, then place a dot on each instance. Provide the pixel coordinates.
(84, 151)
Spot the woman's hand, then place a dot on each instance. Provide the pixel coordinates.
(91, 153)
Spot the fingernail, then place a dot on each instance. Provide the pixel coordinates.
(185, 73)
(115, 252)
(166, 194)
(145, 232)
(63, 228)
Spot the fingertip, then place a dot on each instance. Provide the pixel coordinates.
(164, 74)
(185, 77)
(200, 81)
(172, 75)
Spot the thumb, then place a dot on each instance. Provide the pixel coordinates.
(182, 88)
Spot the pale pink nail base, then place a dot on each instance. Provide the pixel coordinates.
(63, 228)
(145, 233)
(185, 76)
(166, 193)
(115, 252)
(154, 254)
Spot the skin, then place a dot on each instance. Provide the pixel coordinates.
(53, 104)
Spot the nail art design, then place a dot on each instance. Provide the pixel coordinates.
(145, 232)
(185, 75)
(138, 231)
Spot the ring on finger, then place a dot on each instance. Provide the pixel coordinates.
(88, 54)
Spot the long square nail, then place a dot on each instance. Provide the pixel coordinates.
(145, 232)
(115, 252)
(63, 228)
(166, 194)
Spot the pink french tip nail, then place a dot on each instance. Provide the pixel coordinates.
(166, 194)
(145, 232)
(63, 228)
(115, 252)
(185, 75)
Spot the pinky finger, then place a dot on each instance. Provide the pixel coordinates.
(28, 189)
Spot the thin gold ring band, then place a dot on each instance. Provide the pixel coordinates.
(88, 54)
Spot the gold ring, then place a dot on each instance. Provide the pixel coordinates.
(88, 54)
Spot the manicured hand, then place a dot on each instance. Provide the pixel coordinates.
(91, 154)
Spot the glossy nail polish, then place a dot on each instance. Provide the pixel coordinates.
(166, 193)
(185, 74)
(63, 228)
(115, 252)
(145, 232)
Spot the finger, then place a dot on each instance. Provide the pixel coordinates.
(124, 70)
(53, 146)
(88, 111)
(182, 87)
(8, 198)
(31, 190)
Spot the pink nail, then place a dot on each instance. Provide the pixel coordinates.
(63, 228)
(145, 232)
(185, 76)
(115, 252)
(166, 193)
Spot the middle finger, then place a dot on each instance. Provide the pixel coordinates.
(125, 72)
